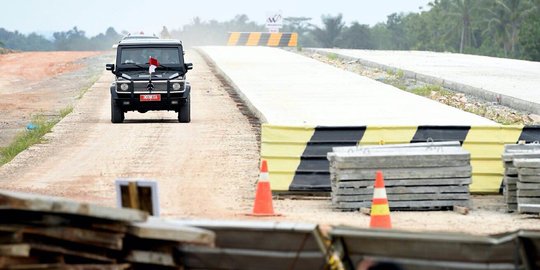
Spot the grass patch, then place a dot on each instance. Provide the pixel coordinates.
(332, 56)
(65, 111)
(426, 90)
(92, 82)
(27, 138)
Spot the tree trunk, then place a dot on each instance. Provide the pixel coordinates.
(462, 39)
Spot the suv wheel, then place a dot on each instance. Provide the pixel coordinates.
(117, 115)
(184, 114)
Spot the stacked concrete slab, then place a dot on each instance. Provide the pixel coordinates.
(512, 183)
(528, 186)
(417, 176)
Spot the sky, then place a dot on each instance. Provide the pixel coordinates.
(95, 16)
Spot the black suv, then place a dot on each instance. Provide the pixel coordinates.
(150, 75)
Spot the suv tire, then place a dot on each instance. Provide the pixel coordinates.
(117, 115)
(184, 114)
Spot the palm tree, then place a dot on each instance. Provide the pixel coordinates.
(329, 34)
(463, 9)
(505, 21)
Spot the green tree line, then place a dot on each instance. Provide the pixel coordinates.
(502, 28)
(71, 40)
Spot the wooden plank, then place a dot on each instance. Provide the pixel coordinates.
(406, 173)
(43, 248)
(403, 197)
(32, 202)
(33, 218)
(61, 266)
(10, 237)
(406, 182)
(133, 195)
(77, 235)
(7, 262)
(16, 250)
(159, 229)
(151, 257)
(403, 190)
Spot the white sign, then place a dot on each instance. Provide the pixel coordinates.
(274, 21)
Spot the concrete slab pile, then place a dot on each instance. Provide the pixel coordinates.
(511, 174)
(528, 185)
(417, 177)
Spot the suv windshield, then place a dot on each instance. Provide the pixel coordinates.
(140, 56)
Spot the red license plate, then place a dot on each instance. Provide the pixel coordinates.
(152, 97)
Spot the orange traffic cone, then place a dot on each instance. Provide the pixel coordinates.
(263, 196)
(380, 211)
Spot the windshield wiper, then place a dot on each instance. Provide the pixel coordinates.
(166, 67)
(134, 64)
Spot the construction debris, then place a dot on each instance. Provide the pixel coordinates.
(39, 232)
(417, 177)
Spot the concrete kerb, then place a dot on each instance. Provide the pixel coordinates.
(241, 95)
(512, 102)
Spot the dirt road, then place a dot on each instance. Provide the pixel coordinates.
(203, 168)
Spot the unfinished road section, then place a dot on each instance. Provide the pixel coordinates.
(308, 107)
(510, 82)
(284, 88)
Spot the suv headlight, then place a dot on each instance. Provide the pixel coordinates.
(176, 86)
(124, 87)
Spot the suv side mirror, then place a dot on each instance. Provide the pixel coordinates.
(109, 67)
(189, 66)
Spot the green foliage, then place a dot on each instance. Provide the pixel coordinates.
(332, 56)
(529, 38)
(426, 90)
(328, 36)
(72, 40)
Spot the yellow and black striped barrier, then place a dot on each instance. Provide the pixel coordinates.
(297, 155)
(263, 39)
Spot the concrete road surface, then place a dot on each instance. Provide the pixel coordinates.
(516, 81)
(289, 89)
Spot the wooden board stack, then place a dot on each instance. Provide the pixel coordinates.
(420, 176)
(39, 232)
(511, 176)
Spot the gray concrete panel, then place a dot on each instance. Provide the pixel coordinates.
(285, 88)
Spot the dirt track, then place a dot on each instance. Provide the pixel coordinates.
(205, 169)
